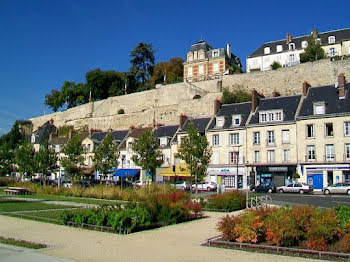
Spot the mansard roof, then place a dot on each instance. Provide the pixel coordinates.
(199, 123)
(330, 96)
(228, 110)
(97, 137)
(340, 35)
(200, 45)
(288, 104)
(43, 132)
(119, 135)
(165, 131)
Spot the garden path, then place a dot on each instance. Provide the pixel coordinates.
(172, 243)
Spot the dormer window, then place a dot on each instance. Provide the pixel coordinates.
(263, 118)
(331, 39)
(190, 57)
(291, 46)
(272, 116)
(279, 48)
(267, 50)
(236, 120)
(319, 108)
(201, 55)
(304, 44)
(318, 40)
(220, 121)
(215, 53)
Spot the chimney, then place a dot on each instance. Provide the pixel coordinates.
(51, 121)
(314, 33)
(306, 86)
(70, 134)
(228, 50)
(341, 85)
(217, 106)
(183, 119)
(255, 99)
(288, 38)
(275, 94)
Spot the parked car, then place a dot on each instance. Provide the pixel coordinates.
(208, 186)
(137, 184)
(338, 188)
(67, 184)
(182, 185)
(300, 188)
(264, 187)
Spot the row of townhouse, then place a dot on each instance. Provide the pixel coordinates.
(277, 139)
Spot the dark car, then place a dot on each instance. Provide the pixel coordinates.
(264, 187)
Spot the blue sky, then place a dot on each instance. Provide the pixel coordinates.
(44, 43)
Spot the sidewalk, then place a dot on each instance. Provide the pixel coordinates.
(172, 243)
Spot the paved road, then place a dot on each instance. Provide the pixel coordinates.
(309, 199)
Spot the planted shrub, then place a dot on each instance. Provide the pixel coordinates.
(121, 111)
(343, 214)
(231, 201)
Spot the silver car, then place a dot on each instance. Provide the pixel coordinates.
(338, 188)
(300, 188)
(205, 186)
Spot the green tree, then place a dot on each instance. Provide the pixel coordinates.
(6, 159)
(45, 161)
(73, 159)
(106, 155)
(173, 69)
(142, 62)
(196, 152)
(275, 65)
(54, 100)
(25, 159)
(237, 95)
(148, 155)
(312, 52)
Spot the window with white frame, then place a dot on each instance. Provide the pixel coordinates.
(256, 136)
(130, 144)
(201, 69)
(89, 147)
(32, 139)
(163, 141)
(90, 161)
(201, 55)
(271, 117)
(263, 118)
(256, 156)
(286, 155)
(215, 158)
(332, 51)
(285, 137)
(331, 39)
(236, 120)
(329, 130)
(267, 50)
(291, 46)
(189, 71)
(57, 148)
(347, 151)
(234, 157)
(347, 128)
(304, 44)
(234, 139)
(330, 152)
(271, 156)
(319, 108)
(216, 140)
(270, 137)
(310, 131)
(279, 48)
(279, 116)
(310, 151)
(216, 67)
(318, 41)
(190, 57)
(215, 53)
(220, 121)
(292, 58)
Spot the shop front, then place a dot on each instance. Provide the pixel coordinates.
(320, 176)
(278, 175)
(228, 176)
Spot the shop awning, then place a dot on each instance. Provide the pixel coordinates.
(181, 171)
(126, 172)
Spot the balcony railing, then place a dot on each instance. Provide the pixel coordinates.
(271, 142)
(347, 157)
(329, 158)
(241, 160)
(310, 158)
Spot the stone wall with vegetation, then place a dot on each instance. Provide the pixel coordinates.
(165, 103)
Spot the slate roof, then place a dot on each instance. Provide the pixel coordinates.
(165, 131)
(97, 137)
(199, 123)
(329, 95)
(136, 133)
(201, 45)
(288, 104)
(59, 140)
(43, 132)
(119, 135)
(340, 35)
(228, 110)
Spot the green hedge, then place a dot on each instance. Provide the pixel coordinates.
(230, 201)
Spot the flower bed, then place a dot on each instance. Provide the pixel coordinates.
(158, 210)
(226, 202)
(302, 227)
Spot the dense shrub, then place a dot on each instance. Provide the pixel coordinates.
(5, 181)
(343, 214)
(276, 65)
(231, 201)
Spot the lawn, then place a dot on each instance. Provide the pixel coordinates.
(8, 205)
(52, 214)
